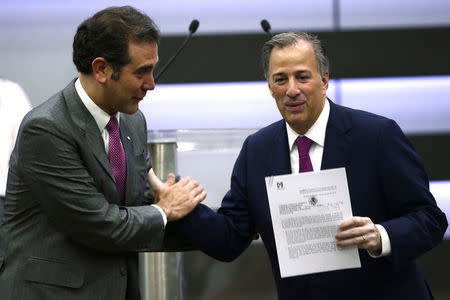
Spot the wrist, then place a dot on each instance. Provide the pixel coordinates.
(165, 210)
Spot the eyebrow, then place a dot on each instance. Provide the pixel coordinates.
(303, 71)
(278, 74)
(296, 72)
(144, 69)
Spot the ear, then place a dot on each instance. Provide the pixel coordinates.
(100, 69)
(325, 79)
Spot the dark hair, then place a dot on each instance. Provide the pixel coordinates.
(289, 39)
(107, 34)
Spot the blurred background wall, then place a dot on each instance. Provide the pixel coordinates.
(388, 57)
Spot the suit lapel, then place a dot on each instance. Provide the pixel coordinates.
(84, 120)
(95, 141)
(279, 159)
(337, 150)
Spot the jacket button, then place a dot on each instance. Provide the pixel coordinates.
(123, 271)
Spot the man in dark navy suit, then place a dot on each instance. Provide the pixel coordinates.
(396, 218)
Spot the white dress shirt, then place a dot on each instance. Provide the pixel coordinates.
(14, 104)
(317, 134)
(102, 118)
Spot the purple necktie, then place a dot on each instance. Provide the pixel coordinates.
(117, 158)
(303, 144)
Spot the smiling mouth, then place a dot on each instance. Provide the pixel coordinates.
(296, 106)
(140, 98)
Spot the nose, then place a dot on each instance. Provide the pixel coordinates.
(293, 90)
(149, 82)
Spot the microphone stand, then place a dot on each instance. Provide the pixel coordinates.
(192, 29)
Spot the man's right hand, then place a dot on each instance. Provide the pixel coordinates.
(179, 199)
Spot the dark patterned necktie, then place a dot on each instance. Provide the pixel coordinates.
(117, 158)
(303, 145)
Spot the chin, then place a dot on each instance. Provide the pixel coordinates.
(130, 109)
(298, 117)
(297, 122)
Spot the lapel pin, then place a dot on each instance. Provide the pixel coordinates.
(128, 138)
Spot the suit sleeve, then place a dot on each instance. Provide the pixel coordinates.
(149, 197)
(415, 224)
(55, 173)
(224, 234)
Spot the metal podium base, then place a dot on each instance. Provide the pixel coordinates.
(160, 275)
(159, 272)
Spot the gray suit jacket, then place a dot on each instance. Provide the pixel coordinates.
(66, 234)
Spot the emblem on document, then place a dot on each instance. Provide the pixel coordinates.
(313, 201)
(280, 185)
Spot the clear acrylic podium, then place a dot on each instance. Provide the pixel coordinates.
(208, 156)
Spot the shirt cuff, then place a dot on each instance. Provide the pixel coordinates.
(163, 215)
(385, 243)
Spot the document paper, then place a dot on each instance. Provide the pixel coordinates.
(306, 210)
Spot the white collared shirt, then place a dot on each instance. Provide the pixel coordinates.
(317, 134)
(102, 118)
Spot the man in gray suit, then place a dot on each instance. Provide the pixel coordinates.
(80, 186)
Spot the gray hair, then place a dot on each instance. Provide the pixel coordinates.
(289, 39)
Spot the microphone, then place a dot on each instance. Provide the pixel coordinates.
(193, 26)
(192, 29)
(266, 26)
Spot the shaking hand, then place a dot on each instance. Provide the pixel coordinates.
(180, 198)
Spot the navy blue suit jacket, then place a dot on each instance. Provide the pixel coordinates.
(387, 183)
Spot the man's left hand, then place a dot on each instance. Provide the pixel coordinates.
(360, 231)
